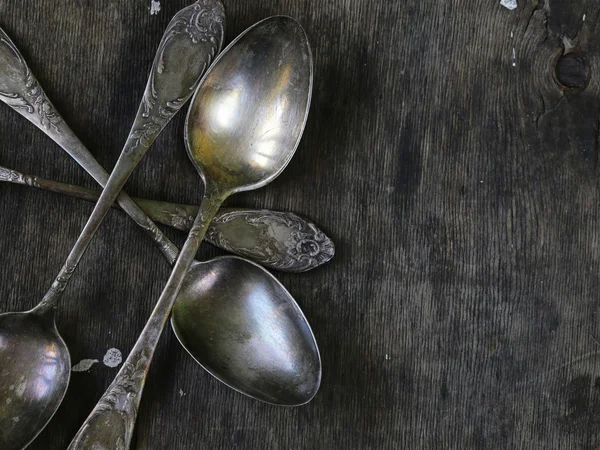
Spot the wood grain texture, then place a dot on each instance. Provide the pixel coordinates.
(457, 176)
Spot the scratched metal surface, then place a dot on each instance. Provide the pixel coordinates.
(457, 178)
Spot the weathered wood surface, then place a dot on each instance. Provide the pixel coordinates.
(458, 179)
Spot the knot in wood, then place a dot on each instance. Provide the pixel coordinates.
(573, 70)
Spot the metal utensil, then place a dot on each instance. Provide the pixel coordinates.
(242, 129)
(34, 356)
(277, 240)
(240, 324)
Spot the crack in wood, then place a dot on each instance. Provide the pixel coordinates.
(539, 6)
(548, 110)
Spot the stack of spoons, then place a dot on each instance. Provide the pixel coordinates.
(248, 112)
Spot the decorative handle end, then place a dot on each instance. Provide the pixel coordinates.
(282, 241)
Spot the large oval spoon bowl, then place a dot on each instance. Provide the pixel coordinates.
(250, 110)
(241, 324)
(33, 387)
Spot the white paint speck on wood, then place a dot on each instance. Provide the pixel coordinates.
(568, 44)
(154, 7)
(113, 357)
(84, 365)
(509, 4)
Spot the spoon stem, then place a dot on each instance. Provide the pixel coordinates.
(112, 421)
(178, 216)
(108, 196)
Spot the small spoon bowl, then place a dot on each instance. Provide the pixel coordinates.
(32, 391)
(241, 325)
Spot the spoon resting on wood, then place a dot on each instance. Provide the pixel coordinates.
(277, 240)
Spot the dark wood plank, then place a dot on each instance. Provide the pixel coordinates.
(457, 176)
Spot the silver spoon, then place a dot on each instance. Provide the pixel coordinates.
(34, 360)
(20, 90)
(242, 129)
(277, 240)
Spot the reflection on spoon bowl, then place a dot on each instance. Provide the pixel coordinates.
(240, 324)
(32, 388)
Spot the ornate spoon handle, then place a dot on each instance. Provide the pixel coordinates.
(193, 37)
(21, 91)
(277, 240)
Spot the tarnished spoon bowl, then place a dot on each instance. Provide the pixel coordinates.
(248, 115)
(33, 391)
(240, 324)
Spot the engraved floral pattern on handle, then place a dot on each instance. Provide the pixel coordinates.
(121, 401)
(180, 219)
(203, 23)
(305, 242)
(20, 89)
(9, 175)
(306, 247)
(12, 176)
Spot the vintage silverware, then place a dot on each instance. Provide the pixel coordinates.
(244, 328)
(21, 91)
(33, 356)
(277, 240)
(242, 129)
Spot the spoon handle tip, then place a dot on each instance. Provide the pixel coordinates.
(186, 48)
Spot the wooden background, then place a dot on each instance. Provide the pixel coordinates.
(456, 175)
